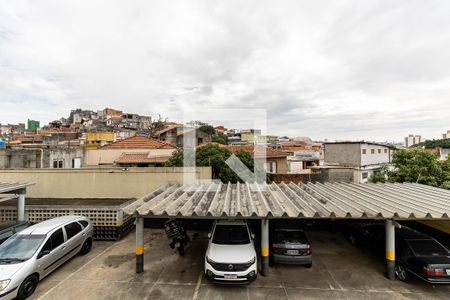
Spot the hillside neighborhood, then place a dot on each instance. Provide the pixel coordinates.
(112, 138)
(224, 150)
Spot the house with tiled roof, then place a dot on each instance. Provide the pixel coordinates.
(175, 135)
(136, 151)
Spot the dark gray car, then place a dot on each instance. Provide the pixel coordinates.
(291, 246)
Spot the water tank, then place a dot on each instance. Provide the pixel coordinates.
(2, 144)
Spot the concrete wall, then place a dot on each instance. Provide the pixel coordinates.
(97, 183)
(343, 154)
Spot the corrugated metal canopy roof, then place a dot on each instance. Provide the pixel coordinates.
(329, 200)
(11, 187)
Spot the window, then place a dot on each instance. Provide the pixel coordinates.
(231, 235)
(364, 175)
(271, 167)
(21, 247)
(385, 150)
(427, 248)
(364, 151)
(72, 229)
(5, 235)
(379, 151)
(58, 163)
(47, 246)
(84, 223)
(372, 151)
(57, 238)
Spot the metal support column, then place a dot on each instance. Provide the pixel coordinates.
(21, 206)
(139, 244)
(390, 249)
(265, 247)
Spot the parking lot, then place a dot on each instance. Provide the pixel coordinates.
(339, 271)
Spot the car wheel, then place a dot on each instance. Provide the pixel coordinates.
(27, 287)
(401, 273)
(86, 248)
(352, 239)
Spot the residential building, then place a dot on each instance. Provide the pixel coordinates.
(302, 161)
(135, 121)
(110, 113)
(195, 124)
(250, 135)
(275, 160)
(175, 134)
(41, 156)
(33, 125)
(134, 151)
(365, 158)
(266, 139)
(446, 135)
(412, 140)
(99, 139)
(220, 129)
(79, 116)
(442, 153)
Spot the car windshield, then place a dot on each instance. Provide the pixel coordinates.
(20, 247)
(427, 248)
(290, 236)
(231, 235)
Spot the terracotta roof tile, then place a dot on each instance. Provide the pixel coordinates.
(139, 142)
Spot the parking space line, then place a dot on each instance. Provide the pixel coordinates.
(197, 287)
(73, 273)
(335, 281)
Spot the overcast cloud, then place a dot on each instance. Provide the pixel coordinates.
(374, 70)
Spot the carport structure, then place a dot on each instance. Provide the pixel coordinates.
(388, 201)
(15, 190)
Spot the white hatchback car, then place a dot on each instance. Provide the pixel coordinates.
(33, 253)
(231, 255)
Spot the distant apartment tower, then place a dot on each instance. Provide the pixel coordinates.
(412, 140)
(33, 125)
(446, 135)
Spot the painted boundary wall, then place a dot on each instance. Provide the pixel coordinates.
(98, 183)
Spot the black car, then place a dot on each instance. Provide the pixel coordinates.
(10, 228)
(416, 254)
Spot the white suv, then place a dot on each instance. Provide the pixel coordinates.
(231, 255)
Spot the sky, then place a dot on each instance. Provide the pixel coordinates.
(337, 70)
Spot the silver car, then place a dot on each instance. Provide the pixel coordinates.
(35, 252)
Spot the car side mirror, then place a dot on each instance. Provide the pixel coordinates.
(253, 236)
(209, 235)
(43, 253)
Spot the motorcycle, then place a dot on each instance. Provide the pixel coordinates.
(176, 234)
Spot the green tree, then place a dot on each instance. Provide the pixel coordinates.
(207, 129)
(378, 177)
(214, 156)
(418, 166)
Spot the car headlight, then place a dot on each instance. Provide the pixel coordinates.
(4, 284)
(252, 261)
(210, 261)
